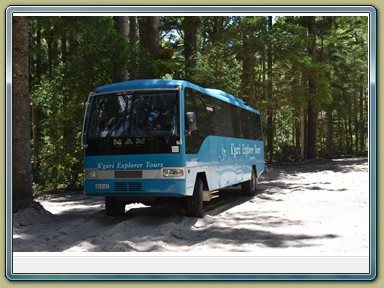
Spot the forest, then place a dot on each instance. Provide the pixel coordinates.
(308, 75)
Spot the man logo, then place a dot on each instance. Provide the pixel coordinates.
(129, 141)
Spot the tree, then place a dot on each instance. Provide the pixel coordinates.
(248, 29)
(270, 125)
(21, 142)
(308, 76)
(190, 25)
(87, 48)
(120, 70)
(312, 90)
(149, 29)
(132, 42)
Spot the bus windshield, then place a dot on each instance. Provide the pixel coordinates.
(134, 122)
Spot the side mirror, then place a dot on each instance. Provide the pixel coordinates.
(190, 121)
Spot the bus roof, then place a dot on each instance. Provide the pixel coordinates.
(173, 84)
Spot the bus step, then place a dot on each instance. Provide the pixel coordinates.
(208, 195)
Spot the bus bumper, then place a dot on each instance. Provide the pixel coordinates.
(135, 188)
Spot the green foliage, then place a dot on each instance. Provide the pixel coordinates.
(286, 121)
(70, 56)
(61, 90)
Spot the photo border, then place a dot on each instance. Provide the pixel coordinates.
(281, 9)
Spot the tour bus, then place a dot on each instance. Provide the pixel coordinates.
(147, 140)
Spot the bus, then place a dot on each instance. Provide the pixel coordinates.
(152, 140)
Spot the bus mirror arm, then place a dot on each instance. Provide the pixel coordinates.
(191, 122)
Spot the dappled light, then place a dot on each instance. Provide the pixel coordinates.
(295, 211)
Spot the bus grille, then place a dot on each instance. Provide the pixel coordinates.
(128, 187)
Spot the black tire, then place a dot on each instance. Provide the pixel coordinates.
(114, 207)
(249, 188)
(195, 202)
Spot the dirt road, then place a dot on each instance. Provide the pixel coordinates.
(318, 208)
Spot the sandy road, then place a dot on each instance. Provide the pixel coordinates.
(313, 208)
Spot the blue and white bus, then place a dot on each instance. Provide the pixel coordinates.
(158, 139)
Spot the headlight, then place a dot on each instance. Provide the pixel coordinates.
(90, 173)
(173, 172)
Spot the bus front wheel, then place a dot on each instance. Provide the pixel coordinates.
(195, 202)
(249, 188)
(114, 206)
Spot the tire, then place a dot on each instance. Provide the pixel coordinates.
(114, 206)
(195, 202)
(249, 188)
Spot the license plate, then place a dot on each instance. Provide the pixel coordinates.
(102, 186)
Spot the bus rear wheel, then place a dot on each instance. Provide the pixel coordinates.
(249, 188)
(195, 202)
(114, 206)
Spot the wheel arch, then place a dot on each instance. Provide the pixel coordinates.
(203, 177)
(255, 168)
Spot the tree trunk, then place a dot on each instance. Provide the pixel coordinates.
(297, 131)
(53, 51)
(248, 63)
(120, 71)
(63, 40)
(350, 129)
(153, 28)
(361, 121)
(312, 89)
(303, 134)
(149, 29)
(329, 132)
(269, 94)
(356, 121)
(21, 146)
(133, 40)
(190, 24)
(36, 112)
(312, 127)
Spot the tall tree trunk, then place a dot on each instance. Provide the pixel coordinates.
(329, 132)
(312, 89)
(312, 127)
(153, 28)
(190, 24)
(297, 131)
(36, 112)
(69, 123)
(73, 44)
(347, 138)
(248, 63)
(21, 146)
(53, 50)
(356, 121)
(350, 129)
(149, 29)
(270, 124)
(361, 120)
(120, 71)
(64, 51)
(133, 40)
(303, 133)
